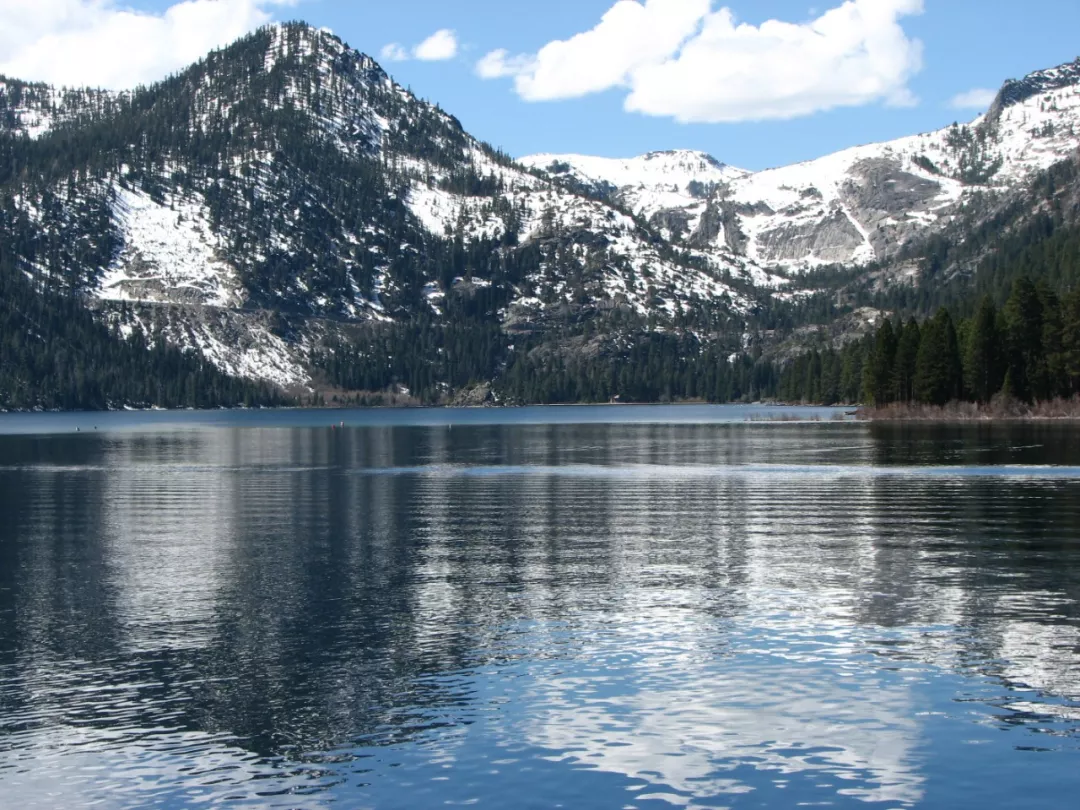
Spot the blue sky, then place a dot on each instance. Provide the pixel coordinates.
(917, 64)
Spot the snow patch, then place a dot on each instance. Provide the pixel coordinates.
(169, 253)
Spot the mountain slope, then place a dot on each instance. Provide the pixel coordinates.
(286, 212)
(859, 205)
(289, 174)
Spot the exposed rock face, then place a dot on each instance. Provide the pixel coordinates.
(1017, 91)
(888, 202)
(881, 185)
(673, 223)
(710, 226)
(832, 239)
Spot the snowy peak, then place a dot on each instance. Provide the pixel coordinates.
(675, 168)
(1017, 91)
(669, 189)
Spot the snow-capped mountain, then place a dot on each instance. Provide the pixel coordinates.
(289, 212)
(854, 206)
(289, 173)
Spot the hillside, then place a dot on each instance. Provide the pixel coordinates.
(267, 203)
(856, 206)
(285, 212)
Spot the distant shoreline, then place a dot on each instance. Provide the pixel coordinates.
(999, 411)
(447, 407)
(1058, 411)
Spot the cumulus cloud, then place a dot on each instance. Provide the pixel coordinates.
(439, 47)
(629, 37)
(684, 60)
(104, 43)
(978, 99)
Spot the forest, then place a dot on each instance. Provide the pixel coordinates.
(1028, 350)
(56, 355)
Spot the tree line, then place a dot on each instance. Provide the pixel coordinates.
(1027, 350)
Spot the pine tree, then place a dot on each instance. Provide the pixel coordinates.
(1070, 340)
(907, 357)
(851, 372)
(938, 371)
(1053, 383)
(1024, 340)
(984, 365)
(879, 371)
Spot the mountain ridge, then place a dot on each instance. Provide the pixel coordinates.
(836, 208)
(287, 211)
(288, 173)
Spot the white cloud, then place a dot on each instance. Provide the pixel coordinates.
(439, 47)
(107, 44)
(500, 64)
(684, 60)
(977, 99)
(394, 52)
(628, 37)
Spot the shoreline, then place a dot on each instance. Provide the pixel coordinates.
(1058, 411)
(1000, 411)
(446, 407)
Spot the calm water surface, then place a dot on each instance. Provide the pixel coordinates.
(579, 608)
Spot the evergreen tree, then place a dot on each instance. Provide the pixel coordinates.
(1053, 382)
(938, 370)
(907, 356)
(851, 370)
(984, 364)
(1070, 340)
(1024, 340)
(879, 382)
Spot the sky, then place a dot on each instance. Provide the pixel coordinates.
(756, 83)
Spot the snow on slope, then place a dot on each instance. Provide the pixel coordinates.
(674, 169)
(27, 108)
(169, 253)
(34, 110)
(650, 184)
(856, 205)
(627, 267)
(922, 181)
(238, 342)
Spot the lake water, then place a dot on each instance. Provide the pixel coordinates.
(579, 608)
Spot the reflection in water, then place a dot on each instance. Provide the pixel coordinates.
(585, 615)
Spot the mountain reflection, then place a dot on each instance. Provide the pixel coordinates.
(697, 611)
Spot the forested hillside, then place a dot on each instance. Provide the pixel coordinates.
(55, 354)
(1021, 264)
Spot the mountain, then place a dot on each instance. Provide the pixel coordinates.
(270, 201)
(285, 212)
(670, 188)
(857, 206)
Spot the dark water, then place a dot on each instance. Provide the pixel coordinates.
(537, 615)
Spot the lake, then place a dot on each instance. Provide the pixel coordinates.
(555, 607)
